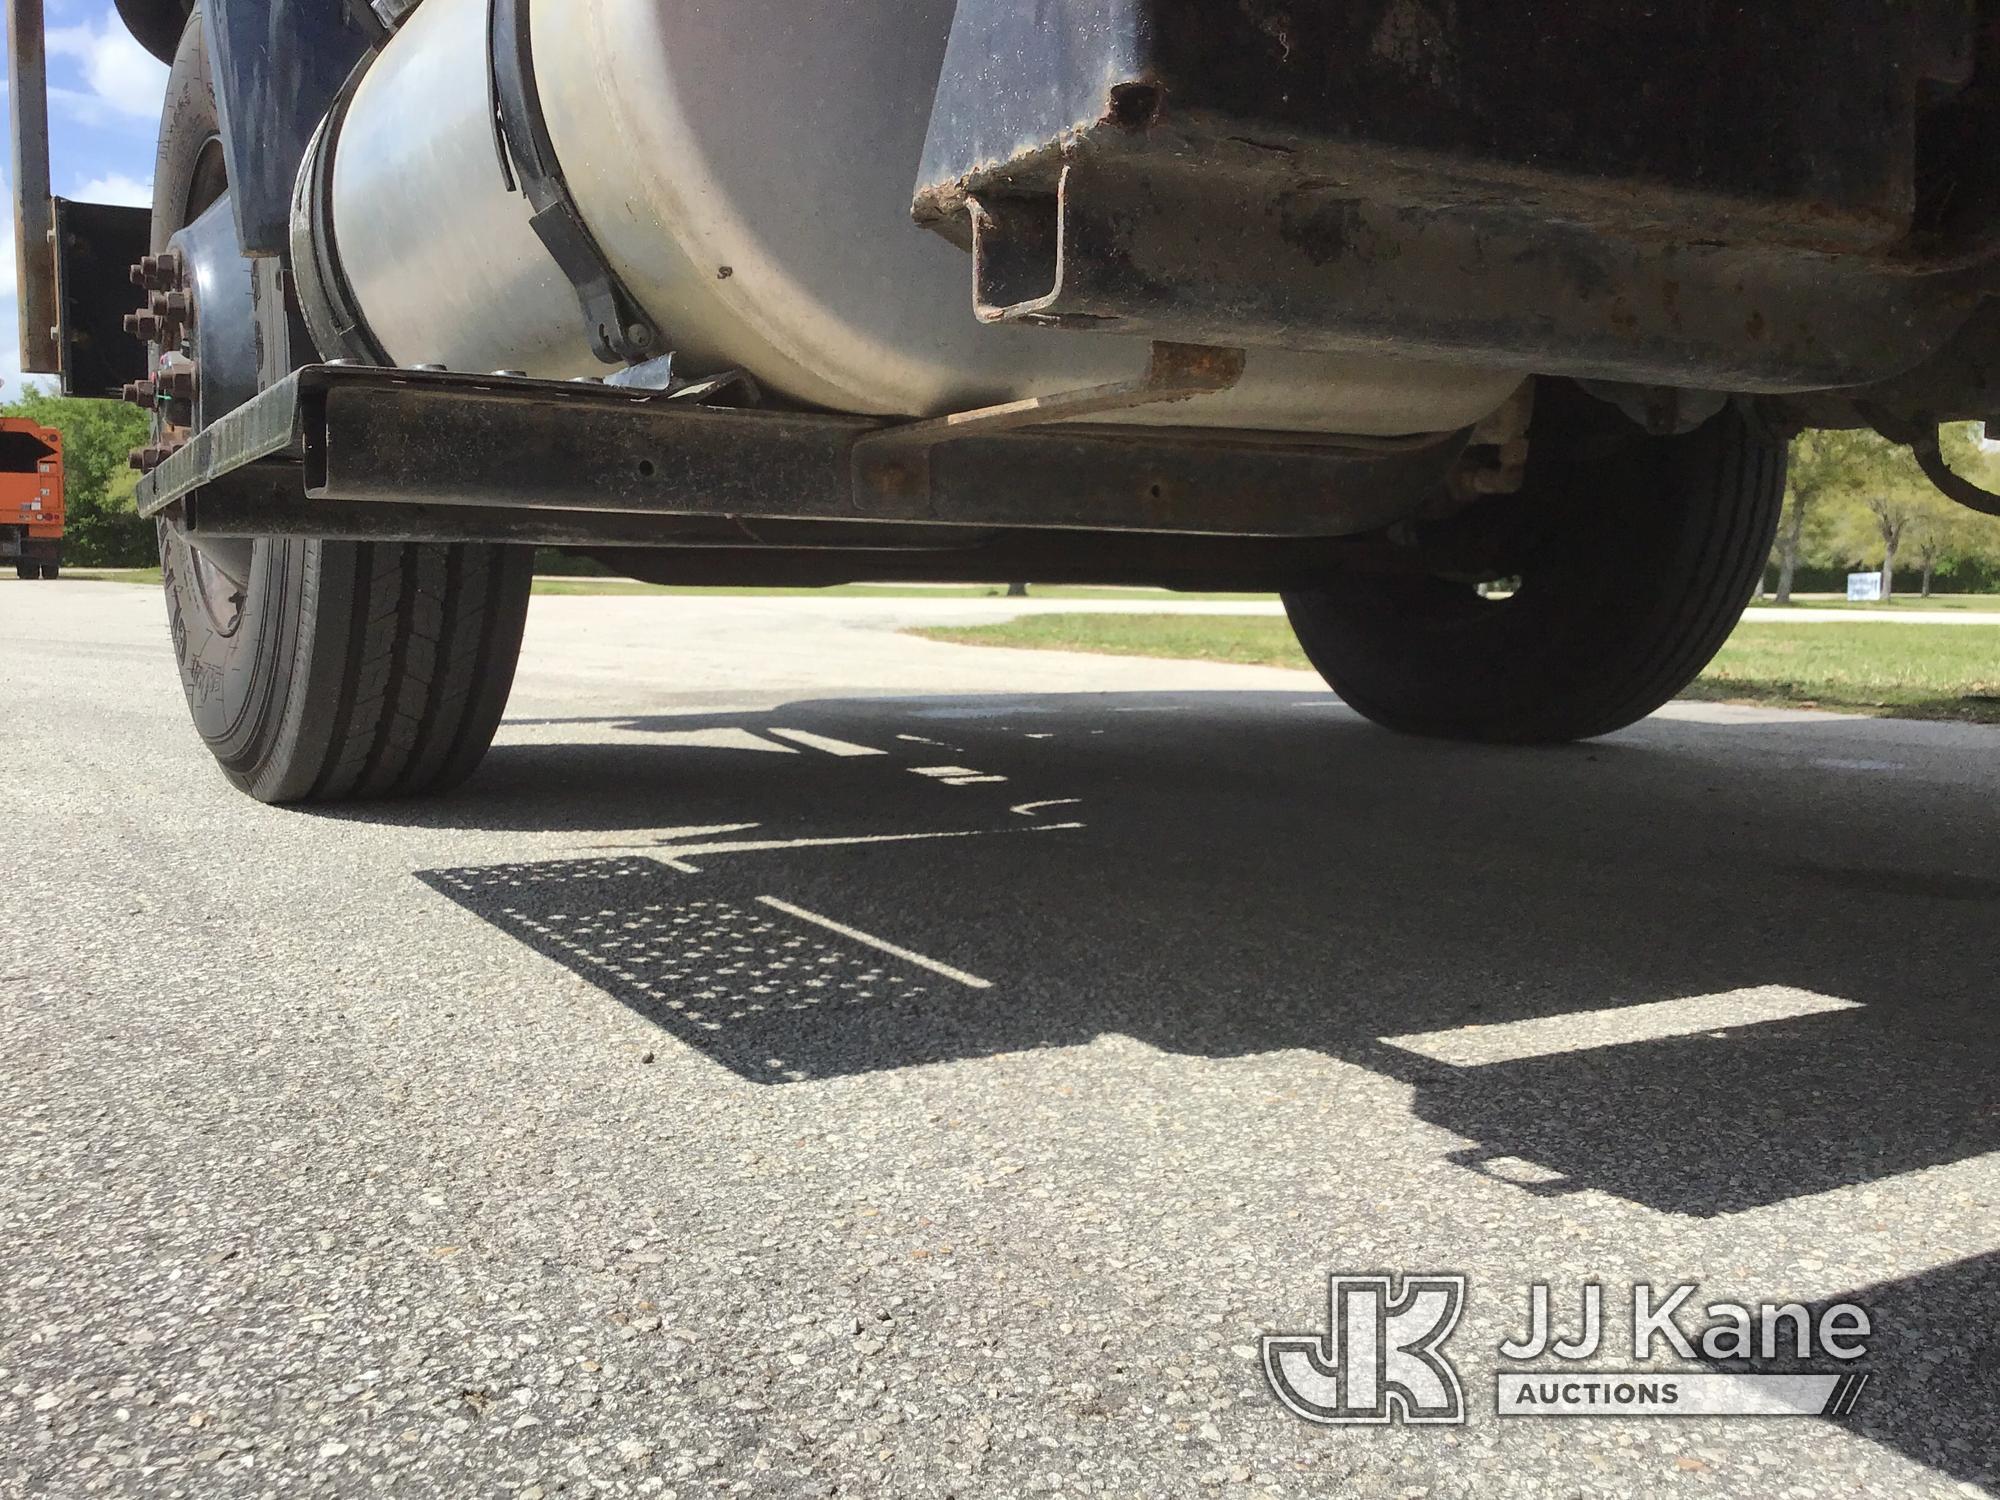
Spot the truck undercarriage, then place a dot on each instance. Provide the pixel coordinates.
(1371, 302)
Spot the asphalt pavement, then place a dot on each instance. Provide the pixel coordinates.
(810, 1060)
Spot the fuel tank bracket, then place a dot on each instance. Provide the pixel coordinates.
(893, 463)
(441, 456)
(620, 330)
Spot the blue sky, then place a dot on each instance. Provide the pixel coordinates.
(104, 120)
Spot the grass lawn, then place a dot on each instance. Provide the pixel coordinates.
(1901, 671)
(149, 576)
(1974, 603)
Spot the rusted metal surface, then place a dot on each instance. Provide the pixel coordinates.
(1790, 119)
(1780, 197)
(34, 220)
(1004, 556)
(433, 439)
(894, 462)
(1177, 255)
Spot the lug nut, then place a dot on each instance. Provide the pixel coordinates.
(143, 325)
(150, 457)
(141, 392)
(179, 381)
(174, 307)
(157, 273)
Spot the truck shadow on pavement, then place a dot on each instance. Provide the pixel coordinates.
(1793, 916)
(1229, 874)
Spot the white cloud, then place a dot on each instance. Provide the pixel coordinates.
(117, 187)
(123, 77)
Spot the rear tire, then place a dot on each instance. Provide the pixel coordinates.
(1636, 555)
(322, 671)
(27, 572)
(51, 572)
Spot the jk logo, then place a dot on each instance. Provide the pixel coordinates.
(1379, 1359)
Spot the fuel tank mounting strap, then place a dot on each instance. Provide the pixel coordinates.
(327, 302)
(620, 330)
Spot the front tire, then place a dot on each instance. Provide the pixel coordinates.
(321, 671)
(1636, 556)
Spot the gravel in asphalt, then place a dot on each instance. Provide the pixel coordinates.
(809, 1060)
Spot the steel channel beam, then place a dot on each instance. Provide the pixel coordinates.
(365, 437)
(34, 208)
(521, 448)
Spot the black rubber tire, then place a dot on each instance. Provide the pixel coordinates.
(51, 572)
(1648, 550)
(336, 670)
(27, 572)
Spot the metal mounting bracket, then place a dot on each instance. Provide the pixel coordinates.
(620, 330)
(893, 463)
(1919, 433)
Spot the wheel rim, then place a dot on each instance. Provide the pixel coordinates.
(220, 572)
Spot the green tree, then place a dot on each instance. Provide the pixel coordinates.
(1855, 499)
(1827, 466)
(1894, 510)
(1935, 536)
(101, 527)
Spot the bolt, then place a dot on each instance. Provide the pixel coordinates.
(143, 325)
(157, 273)
(179, 381)
(141, 392)
(179, 307)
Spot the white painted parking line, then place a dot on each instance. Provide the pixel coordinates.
(824, 742)
(1580, 1031)
(1029, 809)
(955, 775)
(676, 854)
(958, 976)
(716, 739)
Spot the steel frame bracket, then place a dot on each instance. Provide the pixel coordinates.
(894, 464)
(353, 451)
(620, 330)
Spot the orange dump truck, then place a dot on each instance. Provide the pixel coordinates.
(31, 497)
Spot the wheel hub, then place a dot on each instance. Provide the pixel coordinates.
(200, 320)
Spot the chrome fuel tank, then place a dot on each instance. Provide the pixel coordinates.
(747, 169)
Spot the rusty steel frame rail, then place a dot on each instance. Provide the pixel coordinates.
(34, 206)
(420, 455)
